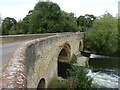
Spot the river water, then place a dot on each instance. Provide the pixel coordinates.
(105, 71)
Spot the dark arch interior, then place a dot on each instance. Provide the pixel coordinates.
(41, 84)
(63, 55)
(62, 69)
(62, 64)
(80, 46)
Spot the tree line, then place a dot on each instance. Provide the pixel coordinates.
(47, 17)
(101, 36)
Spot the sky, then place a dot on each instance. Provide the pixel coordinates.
(18, 9)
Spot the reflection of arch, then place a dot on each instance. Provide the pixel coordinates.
(41, 84)
(63, 59)
(80, 46)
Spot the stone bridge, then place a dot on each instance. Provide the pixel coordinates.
(36, 62)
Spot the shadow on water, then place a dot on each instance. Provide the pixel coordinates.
(105, 65)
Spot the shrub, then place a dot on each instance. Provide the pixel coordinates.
(73, 59)
(78, 78)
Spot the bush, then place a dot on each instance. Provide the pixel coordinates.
(102, 38)
(73, 59)
(78, 78)
(56, 83)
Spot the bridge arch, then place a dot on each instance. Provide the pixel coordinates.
(63, 59)
(81, 45)
(41, 84)
(65, 53)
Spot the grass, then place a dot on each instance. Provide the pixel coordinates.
(57, 83)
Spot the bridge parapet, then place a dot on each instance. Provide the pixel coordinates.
(36, 61)
(18, 38)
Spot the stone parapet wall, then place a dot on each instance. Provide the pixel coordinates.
(18, 38)
(37, 59)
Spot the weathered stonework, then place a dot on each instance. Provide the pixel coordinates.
(17, 38)
(37, 59)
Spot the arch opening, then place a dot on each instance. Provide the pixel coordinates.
(63, 62)
(80, 46)
(41, 84)
(63, 55)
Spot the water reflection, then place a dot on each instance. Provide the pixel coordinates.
(105, 65)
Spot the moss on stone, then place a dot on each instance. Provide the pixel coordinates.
(87, 62)
(57, 83)
(73, 59)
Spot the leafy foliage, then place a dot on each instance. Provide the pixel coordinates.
(78, 78)
(118, 36)
(73, 59)
(47, 17)
(102, 39)
(44, 18)
(85, 22)
(7, 24)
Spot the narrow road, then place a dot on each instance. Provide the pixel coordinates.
(6, 51)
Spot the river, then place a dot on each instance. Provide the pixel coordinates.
(105, 71)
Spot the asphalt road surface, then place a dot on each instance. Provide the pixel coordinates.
(7, 50)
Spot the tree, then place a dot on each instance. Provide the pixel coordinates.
(102, 39)
(45, 17)
(68, 22)
(118, 36)
(7, 24)
(85, 22)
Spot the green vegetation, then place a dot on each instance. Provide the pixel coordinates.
(73, 59)
(118, 36)
(47, 17)
(7, 25)
(87, 62)
(78, 78)
(85, 22)
(103, 37)
(56, 83)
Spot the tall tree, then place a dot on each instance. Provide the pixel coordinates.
(102, 39)
(85, 22)
(47, 17)
(7, 24)
(68, 22)
(44, 17)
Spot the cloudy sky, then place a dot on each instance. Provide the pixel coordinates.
(18, 9)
